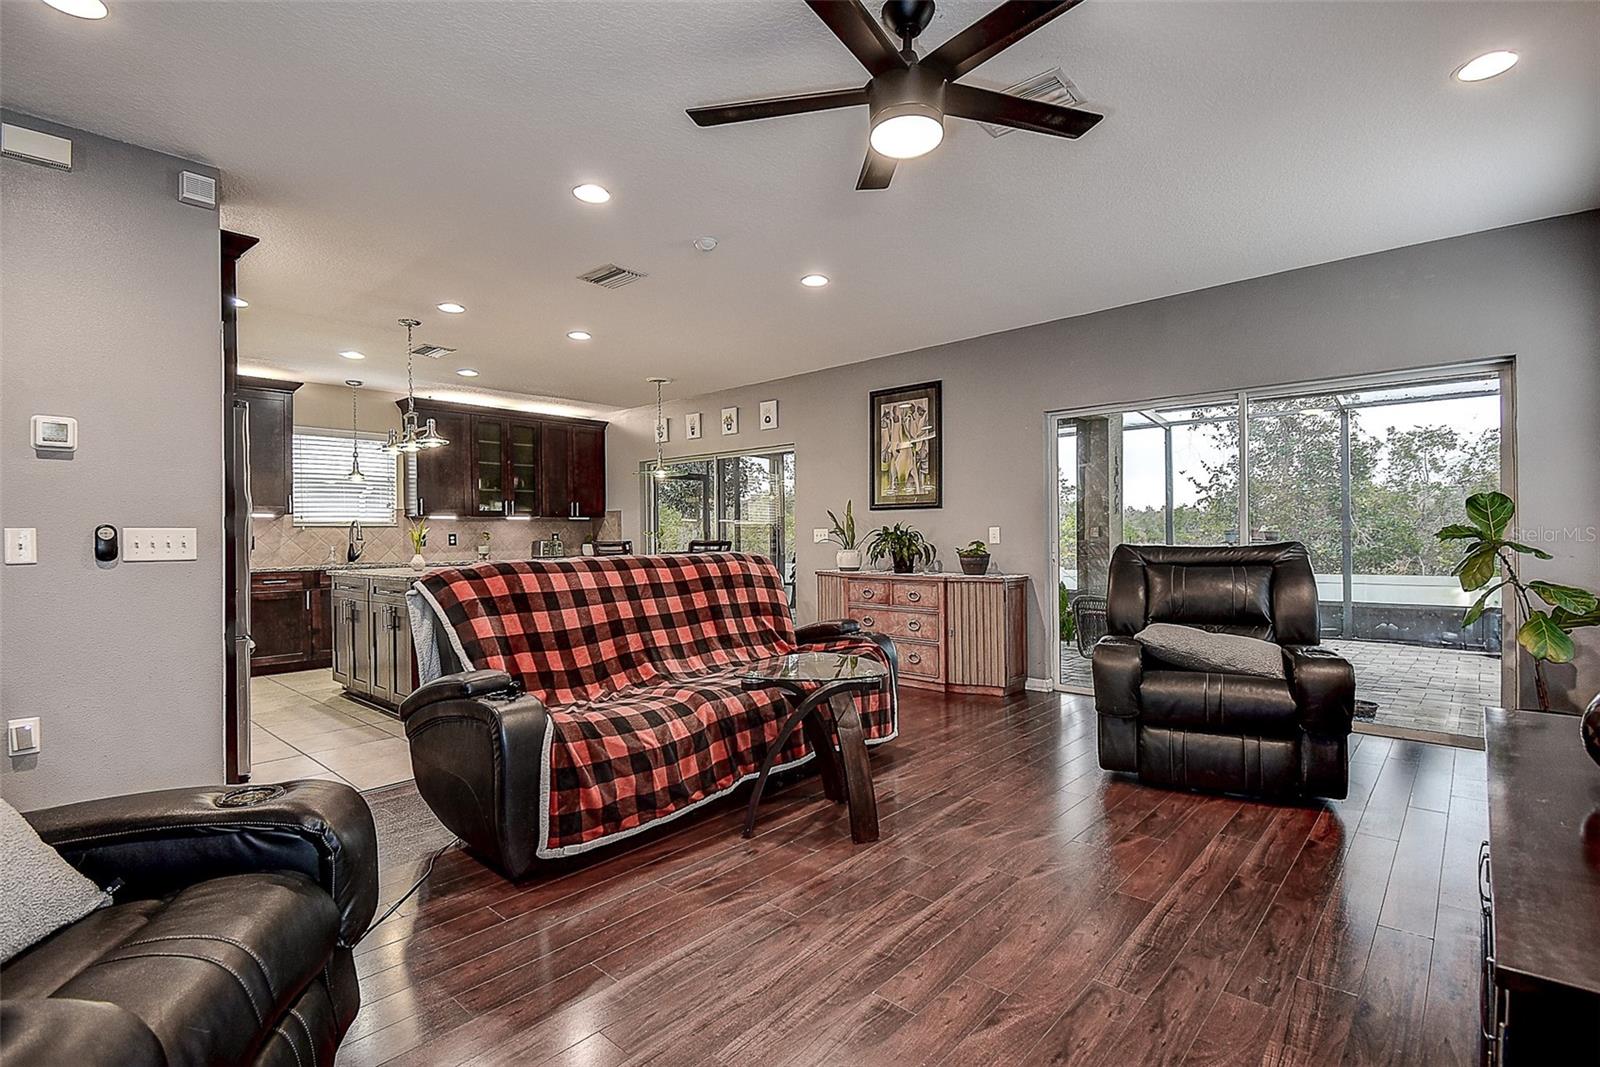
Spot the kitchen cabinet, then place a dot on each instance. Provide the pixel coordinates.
(288, 622)
(352, 648)
(372, 654)
(501, 464)
(271, 443)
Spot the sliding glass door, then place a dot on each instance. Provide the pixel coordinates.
(1363, 474)
(747, 500)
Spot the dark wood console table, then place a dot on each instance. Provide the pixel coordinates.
(1540, 881)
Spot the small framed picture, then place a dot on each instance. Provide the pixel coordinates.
(769, 415)
(691, 426)
(730, 421)
(662, 429)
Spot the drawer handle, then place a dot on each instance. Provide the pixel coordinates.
(914, 626)
(914, 657)
(866, 594)
(274, 581)
(913, 596)
(866, 620)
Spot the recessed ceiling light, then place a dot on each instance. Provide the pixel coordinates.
(1486, 66)
(579, 335)
(240, 302)
(467, 372)
(83, 9)
(352, 354)
(590, 193)
(814, 281)
(450, 307)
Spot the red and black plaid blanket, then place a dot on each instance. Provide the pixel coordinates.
(639, 661)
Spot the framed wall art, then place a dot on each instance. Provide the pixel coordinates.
(907, 449)
(769, 415)
(691, 426)
(730, 421)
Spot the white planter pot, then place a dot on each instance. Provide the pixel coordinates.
(848, 559)
(418, 563)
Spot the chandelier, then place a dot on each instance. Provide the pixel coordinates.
(659, 471)
(412, 437)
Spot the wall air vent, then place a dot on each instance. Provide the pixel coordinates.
(1051, 87)
(431, 351)
(611, 276)
(197, 189)
(35, 146)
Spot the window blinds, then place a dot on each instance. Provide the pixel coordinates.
(323, 493)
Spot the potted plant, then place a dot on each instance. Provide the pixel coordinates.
(903, 545)
(974, 558)
(843, 534)
(419, 538)
(1487, 564)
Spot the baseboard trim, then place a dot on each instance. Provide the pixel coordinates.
(1039, 685)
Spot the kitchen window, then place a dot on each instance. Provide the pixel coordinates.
(324, 495)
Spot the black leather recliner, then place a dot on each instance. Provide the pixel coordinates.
(1230, 732)
(228, 942)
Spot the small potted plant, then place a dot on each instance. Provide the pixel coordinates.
(843, 534)
(419, 539)
(903, 545)
(974, 558)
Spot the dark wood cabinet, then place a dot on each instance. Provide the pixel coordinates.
(271, 443)
(289, 622)
(499, 464)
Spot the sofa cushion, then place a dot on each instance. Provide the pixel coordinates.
(42, 891)
(208, 970)
(1219, 703)
(1202, 650)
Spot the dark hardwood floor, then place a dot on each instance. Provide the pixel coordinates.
(1022, 907)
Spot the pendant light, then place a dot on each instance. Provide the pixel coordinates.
(659, 471)
(412, 437)
(355, 476)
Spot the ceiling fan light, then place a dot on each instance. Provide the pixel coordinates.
(906, 131)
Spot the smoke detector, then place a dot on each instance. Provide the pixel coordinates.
(706, 244)
(1051, 87)
(611, 276)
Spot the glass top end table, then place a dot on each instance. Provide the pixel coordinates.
(822, 687)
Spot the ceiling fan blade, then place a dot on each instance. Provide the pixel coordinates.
(876, 171)
(1002, 109)
(773, 107)
(993, 34)
(861, 33)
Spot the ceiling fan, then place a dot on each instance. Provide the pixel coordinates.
(909, 97)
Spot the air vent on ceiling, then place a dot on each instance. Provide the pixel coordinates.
(431, 351)
(611, 276)
(197, 189)
(1051, 87)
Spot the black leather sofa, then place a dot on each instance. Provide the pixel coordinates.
(1229, 732)
(229, 939)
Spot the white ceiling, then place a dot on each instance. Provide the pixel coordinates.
(394, 155)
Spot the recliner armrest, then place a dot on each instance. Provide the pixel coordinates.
(157, 843)
(1118, 665)
(1324, 687)
(35, 1031)
(457, 687)
(826, 631)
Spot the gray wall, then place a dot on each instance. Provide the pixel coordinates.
(1532, 291)
(109, 313)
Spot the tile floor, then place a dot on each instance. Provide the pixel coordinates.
(303, 726)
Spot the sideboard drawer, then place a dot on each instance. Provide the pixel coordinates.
(866, 591)
(919, 660)
(916, 595)
(896, 623)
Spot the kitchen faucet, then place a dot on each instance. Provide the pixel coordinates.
(357, 543)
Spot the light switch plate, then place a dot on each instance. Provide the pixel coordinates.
(22, 545)
(158, 544)
(22, 736)
(994, 535)
(818, 535)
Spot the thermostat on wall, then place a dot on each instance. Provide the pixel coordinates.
(58, 433)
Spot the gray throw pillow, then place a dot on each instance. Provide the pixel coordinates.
(42, 891)
(1202, 650)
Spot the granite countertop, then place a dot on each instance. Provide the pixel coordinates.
(341, 566)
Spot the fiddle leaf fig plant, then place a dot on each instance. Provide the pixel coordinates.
(902, 544)
(1488, 563)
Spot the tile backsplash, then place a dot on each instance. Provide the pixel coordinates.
(280, 543)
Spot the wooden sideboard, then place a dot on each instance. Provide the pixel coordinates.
(953, 633)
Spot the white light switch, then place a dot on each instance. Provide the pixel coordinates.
(994, 535)
(22, 736)
(818, 536)
(22, 545)
(159, 544)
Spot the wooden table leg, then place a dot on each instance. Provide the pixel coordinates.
(801, 712)
(820, 737)
(857, 770)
